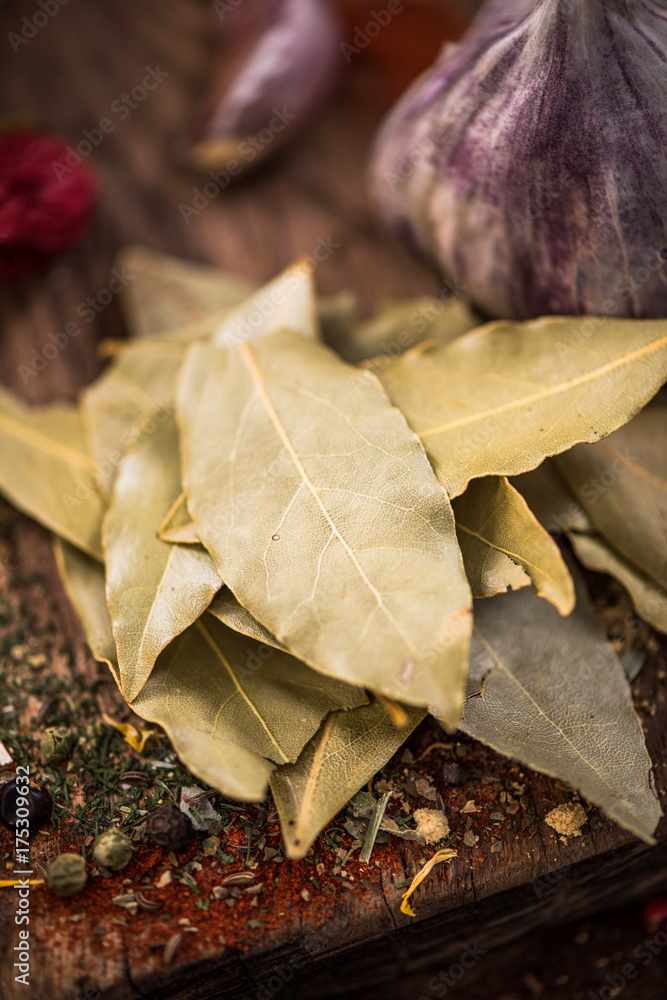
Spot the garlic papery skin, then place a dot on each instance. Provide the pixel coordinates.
(531, 160)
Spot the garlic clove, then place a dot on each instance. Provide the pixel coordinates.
(285, 63)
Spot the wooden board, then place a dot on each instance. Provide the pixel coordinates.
(69, 74)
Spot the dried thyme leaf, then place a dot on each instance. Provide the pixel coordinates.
(136, 738)
(155, 590)
(373, 828)
(389, 825)
(349, 748)
(324, 517)
(504, 547)
(551, 693)
(500, 399)
(46, 471)
(396, 712)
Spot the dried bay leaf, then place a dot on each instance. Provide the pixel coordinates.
(227, 609)
(349, 748)
(186, 710)
(46, 471)
(324, 517)
(288, 302)
(500, 399)
(122, 406)
(224, 605)
(548, 497)
(504, 547)
(232, 713)
(178, 525)
(621, 483)
(400, 325)
(179, 528)
(648, 598)
(211, 684)
(83, 580)
(155, 590)
(172, 298)
(180, 300)
(489, 568)
(551, 693)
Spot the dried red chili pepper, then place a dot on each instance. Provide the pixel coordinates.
(45, 201)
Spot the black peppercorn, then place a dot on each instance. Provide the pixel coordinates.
(40, 805)
(168, 827)
(453, 774)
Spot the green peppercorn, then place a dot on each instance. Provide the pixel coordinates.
(57, 744)
(67, 874)
(112, 850)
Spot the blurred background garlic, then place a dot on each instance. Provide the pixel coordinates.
(530, 161)
(285, 62)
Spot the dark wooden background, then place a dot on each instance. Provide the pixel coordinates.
(67, 77)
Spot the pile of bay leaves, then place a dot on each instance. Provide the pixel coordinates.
(273, 520)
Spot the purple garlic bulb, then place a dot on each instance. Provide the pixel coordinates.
(530, 161)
